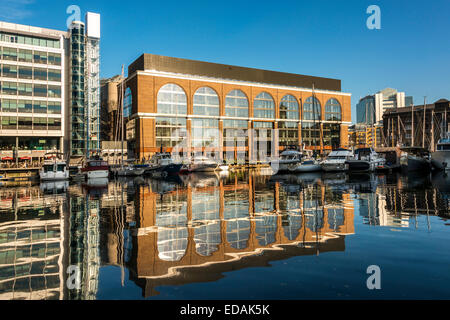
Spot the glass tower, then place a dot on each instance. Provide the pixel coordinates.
(78, 115)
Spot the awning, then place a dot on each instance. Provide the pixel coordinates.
(7, 159)
(25, 158)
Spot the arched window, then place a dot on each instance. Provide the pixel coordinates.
(264, 106)
(333, 110)
(206, 102)
(171, 100)
(289, 107)
(127, 103)
(236, 104)
(311, 109)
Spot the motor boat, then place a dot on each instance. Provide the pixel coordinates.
(441, 157)
(287, 158)
(336, 160)
(415, 159)
(96, 168)
(365, 159)
(202, 164)
(164, 164)
(306, 165)
(54, 168)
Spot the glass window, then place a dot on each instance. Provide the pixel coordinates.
(54, 107)
(40, 74)
(25, 55)
(310, 134)
(9, 54)
(25, 123)
(332, 135)
(9, 71)
(54, 91)
(206, 102)
(169, 131)
(127, 103)
(311, 109)
(9, 123)
(54, 59)
(205, 133)
(40, 57)
(288, 133)
(40, 107)
(171, 100)
(235, 140)
(264, 106)
(40, 90)
(9, 88)
(25, 106)
(25, 89)
(9, 105)
(333, 110)
(236, 104)
(54, 124)
(25, 72)
(40, 123)
(289, 108)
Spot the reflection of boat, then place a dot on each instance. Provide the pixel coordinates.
(54, 186)
(366, 159)
(336, 160)
(202, 164)
(96, 168)
(287, 158)
(54, 168)
(200, 179)
(96, 183)
(415, 159)
(441, 157)
(441, 181)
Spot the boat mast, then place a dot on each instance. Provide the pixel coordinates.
(424, 117)
(412, 125)
(121, 115)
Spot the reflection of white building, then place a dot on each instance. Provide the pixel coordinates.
(31, 245)
(389, 220)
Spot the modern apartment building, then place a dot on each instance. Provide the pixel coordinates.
(225, 110)
(371, 108)
(49, 89)
(33, 93)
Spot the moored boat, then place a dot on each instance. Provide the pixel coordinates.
(306, 165)
(287, 158)
(54, 168)
(96, 168)
(336, 160)
(163, 162)
(441, 157)
(415, 159)
(365, 159)
(202, 164)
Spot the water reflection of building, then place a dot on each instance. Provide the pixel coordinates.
(195, 233)
(31, 244)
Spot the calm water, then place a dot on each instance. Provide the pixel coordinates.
(245, 235)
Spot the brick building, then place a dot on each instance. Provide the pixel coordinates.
(208, 107)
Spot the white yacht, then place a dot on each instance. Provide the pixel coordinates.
(365, 159)
(287, 159)
(202, 164)
(54, 168)
(336, 160)
(441, 157)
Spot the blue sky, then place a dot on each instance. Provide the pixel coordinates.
(411, 52)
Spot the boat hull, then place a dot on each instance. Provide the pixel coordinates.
(441, 159)
(334, 167)
(305, 168)
(54, 176)
(203, 168)
(413, 163)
